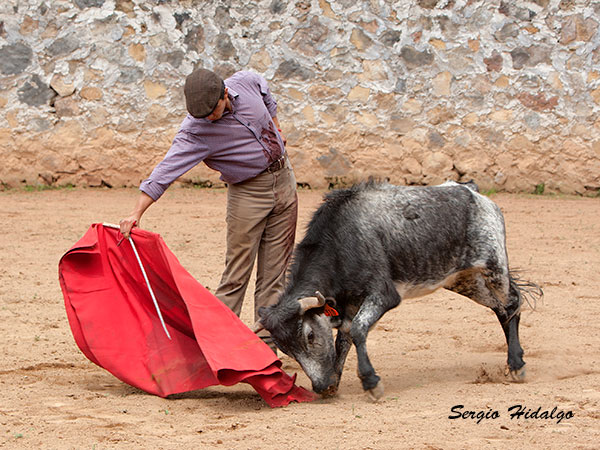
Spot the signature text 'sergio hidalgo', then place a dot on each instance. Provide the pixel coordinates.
(514, 412)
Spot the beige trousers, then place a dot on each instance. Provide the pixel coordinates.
(261, 225)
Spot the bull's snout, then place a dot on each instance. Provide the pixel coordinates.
(329, 392)
(327, 388)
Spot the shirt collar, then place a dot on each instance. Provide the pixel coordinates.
(232, 92)
(233, 95)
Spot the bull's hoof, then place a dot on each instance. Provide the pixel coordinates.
(376, 393)
(518, 376)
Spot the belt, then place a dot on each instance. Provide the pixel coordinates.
(275, 166)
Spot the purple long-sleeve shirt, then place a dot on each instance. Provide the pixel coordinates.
(240, 145)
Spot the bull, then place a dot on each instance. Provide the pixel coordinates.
(368, 247)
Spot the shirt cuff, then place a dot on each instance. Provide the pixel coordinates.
(153, 190)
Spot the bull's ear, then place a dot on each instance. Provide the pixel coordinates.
(335, 321)
(307, 303)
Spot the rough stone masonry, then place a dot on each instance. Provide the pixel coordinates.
(418, 91)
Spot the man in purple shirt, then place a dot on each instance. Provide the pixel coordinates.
(232, 127)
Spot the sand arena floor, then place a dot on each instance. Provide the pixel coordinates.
(433, 353)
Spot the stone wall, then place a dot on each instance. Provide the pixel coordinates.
(417, 91)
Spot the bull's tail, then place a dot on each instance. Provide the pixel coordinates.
(527, 291)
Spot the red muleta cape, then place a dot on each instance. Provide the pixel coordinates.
(115, 323)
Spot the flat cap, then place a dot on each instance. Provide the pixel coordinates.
(202, 90)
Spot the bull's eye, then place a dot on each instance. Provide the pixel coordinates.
(310, 337)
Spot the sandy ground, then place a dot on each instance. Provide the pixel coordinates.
(433, 353)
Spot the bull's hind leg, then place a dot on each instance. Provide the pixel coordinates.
(509, 318)
(498, 292)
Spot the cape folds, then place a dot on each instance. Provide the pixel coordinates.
(116, 325)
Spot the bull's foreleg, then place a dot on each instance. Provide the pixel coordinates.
(343, 342)
(369, 313)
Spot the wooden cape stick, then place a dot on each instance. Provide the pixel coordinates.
(162, 321)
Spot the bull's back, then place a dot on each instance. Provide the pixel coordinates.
(426, 234)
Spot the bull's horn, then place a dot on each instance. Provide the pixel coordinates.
(307, 303)
(329, 300)
(258, 326)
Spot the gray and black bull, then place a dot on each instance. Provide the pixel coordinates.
(368, 247)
